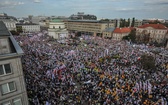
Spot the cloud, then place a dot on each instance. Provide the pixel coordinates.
(156, 2)
(36, 1)
(10, 3)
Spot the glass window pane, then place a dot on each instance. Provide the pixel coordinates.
(6, 103)
(7, 68)
(1, 70)
(4, 88)
(17, 102)
(11, 86)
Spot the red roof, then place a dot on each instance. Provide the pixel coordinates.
(122, 30)
(156, 26)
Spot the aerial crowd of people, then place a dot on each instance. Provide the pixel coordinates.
(95, 71)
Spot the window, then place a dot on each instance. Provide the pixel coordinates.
(17, 101)
(5, 69)
(6, 103)
(4, 48)
(8, 87)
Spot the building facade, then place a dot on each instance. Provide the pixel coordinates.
(57, 29)
(12, 84)
(156, 32)
(119, 33)
(10, 24)
(92, 26)
(107, 33)
(82, 16)
(29, 27)
(137, 23)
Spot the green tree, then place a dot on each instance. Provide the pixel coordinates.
(125, 37)
(124, 23)
(133, 22)
(19, 29)
(148, 62)
(127, 23)
(13, 32)
(131, 36)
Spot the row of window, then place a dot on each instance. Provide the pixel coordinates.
(8, 87)
(152, 31)
(5, 69)
(16, 101)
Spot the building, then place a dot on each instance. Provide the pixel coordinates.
(93, 27)
(154, 20)
(107, 33)
(10, 24)
(29, 27)
(119, 33)
(137, 23)
(57, 29)
(12, 84)
(82, 16)
(156, 32)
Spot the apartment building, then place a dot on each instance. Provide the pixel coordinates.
(156, 32)
(119, 33)
(12, 84)
(95, 27)
(137, 23)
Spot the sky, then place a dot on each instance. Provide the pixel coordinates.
(140, 9)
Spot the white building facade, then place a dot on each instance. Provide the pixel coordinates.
(29, 27)
(10, 24)
(57, 30)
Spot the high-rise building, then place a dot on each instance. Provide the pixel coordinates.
(12, 84)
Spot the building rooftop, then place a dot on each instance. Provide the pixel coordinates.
(56, 20)
(122, 30)
(3, 30)
(22, 24)
(156, 26)
(15, 48)
(88, 21)
(109, 30)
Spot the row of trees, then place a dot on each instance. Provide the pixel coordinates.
(127, 23)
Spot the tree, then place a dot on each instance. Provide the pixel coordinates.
(104, 20)
(148, 62)
(13, 32)
(133, 22)
(132, 35)
(122, 23)
(125, 37)
(19, 29)
(127, 23)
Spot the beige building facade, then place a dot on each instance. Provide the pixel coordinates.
(12, 84)
(119, 33)
(92, 26)
(156, 32)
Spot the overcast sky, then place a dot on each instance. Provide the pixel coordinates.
(139, 9)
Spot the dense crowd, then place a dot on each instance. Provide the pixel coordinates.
(95, 72)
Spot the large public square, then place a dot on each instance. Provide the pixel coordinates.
(94, 71)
